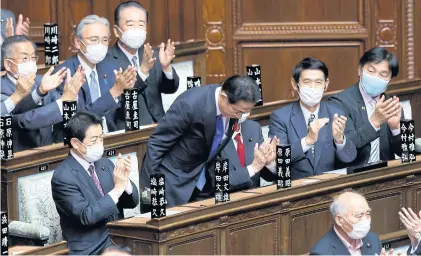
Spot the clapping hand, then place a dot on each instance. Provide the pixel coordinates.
(50, 82)
(73, 84)
(22, 27)
(166, 55)
(148, 60)
(338, 127)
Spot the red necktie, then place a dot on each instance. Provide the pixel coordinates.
(240, 146)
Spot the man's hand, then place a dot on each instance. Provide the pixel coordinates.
(73, 84)
(10, 28)
(269, 150)
(50, 82)
(166, 55)
(314, 129)
(24, 84)
(22, 27)
(123, 80)
(384, 111)
(121, 174)
(338, 128)
(259, 159)
(395, 121)
(148, 60)
(412, 223)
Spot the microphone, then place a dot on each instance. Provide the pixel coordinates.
(418, 145)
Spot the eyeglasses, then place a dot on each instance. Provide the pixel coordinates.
(26, 58)
(96, 40)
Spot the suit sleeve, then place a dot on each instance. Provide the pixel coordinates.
(360, 136)
(102, 105)
(24, 105)
(170, 128)
(348, 152)
(70, 200)
(38, 118)
(129, 201)
(278, 128)
(168, 86)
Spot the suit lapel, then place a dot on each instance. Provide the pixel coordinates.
(300, 125)
(367, 248)
(209, 119)
(103, 79)
(104, 176)
(323, 133)
(337, 246)
(232, 154)
(83, 175)
(248, 142)
(85, 94)
(7, 83)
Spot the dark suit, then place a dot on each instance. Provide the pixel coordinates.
(104, 105)
(289, 126)
(150, 104)
(417, 251)
(359, 129)
(331, 244)
(31, 121)
(83, 212)
(181, 143)
(251, 133)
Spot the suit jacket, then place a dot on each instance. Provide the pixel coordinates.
(359, 129)
(417, 251)
(31, 122)
(181, 143)
(289, 126)
(103, 106)
(155, 84)
(83, 212)
(331, 244)
(251, 133)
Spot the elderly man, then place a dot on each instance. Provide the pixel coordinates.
(155, 74)
(350, 234)
(101, 91)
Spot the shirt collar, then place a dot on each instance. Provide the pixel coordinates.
(307, 113)
(88, 70)
(217, 91)
(128, 54)
(357, 246)
(12, 78)
(367, 98)
(85, 164)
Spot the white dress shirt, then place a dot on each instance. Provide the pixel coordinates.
(130, 56)
(85, 164)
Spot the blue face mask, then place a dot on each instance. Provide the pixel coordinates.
(373, 85)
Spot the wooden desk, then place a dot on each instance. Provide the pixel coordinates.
(54, 249)
(266, 221)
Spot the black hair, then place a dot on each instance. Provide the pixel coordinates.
(80, 123)
(379, 54)
(241, 88)
(125, 5)
(309, 63)
(9, 42)
(117, 248)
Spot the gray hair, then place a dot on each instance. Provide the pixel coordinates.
(8, 43)
(91, 19)
(338, 208)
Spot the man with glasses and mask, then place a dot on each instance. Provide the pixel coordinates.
(350, 234)
(89, 190)
(315, 129)
(189, 136)
(155, 75)
(374, 118)
(22, 90)
(105, 82)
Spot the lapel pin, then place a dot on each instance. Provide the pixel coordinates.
(250, 139)
(105, 78)
(363, 108)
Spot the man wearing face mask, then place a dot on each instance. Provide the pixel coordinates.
(88, 190)
(374, 118)
(350, 234)
(190, 136)
(312, 127)
(104, 84)
(155, 74)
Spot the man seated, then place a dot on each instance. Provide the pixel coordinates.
(88, 190)
(315, 129)
(101, 91)
(350, 234)
(374, 118)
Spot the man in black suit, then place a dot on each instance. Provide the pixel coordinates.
(189, 134)
(155, 73)
(89, 191)
(350, 234)
(412, 223)
(373, 118)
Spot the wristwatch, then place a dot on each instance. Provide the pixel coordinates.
(418, 236)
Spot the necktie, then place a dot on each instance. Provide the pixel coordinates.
(135, 65)
(95, 179)
(93, 87)
(375, 144)
(240, 146)
(216, 141)
(311, 119)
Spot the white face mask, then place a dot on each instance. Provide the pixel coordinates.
(94, 152)
(360, 229)
(133, 38)
(26, 68)
(95, 53)
(243, 117)
(311, 96)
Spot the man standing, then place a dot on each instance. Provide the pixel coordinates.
(315, 129)
(374, 118)
(155, 75)
(189, 134)
(88, 190)
(350, 234)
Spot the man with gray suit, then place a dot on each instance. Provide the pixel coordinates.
(311, 126)
(189, 136)
(374, 118)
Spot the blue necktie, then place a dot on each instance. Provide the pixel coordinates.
(216, 141)
(93, 87)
